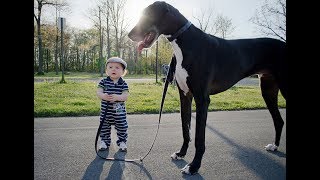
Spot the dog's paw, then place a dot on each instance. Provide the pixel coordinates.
(271, 147)
(189, 170)
(175, 156)
(186, 169)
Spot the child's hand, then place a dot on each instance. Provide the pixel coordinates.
(111, 97)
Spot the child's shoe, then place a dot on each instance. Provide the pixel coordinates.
(123, 147)
(103, 146)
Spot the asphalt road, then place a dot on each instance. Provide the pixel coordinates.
(235, 140)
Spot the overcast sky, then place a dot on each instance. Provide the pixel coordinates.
(239, 11)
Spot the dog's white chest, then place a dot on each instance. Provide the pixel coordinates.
(181, 73)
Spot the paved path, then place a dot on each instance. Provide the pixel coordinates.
(64, 148)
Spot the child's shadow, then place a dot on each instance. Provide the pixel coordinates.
(117, 166)
(95, 168)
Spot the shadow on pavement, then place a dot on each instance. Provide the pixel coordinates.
(117, 167)
(180, 164)
(95, 168)
(255, 160)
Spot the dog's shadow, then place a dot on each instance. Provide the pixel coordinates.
(259, 163)
(179, 163)
(278, 153)
(95, 168)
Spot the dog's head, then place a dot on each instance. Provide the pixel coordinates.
(158, 18)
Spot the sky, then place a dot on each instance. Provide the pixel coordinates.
(239, 11)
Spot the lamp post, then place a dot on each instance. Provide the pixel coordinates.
(61, 25)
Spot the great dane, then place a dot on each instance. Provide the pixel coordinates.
(206, 65)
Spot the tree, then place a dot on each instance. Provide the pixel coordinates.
(271, 19)
(96, 18)
(37, 16)
(107, 15)
(205, 21)
(48, 39)
(223, 26)
(101, 45)
(220, 26)
(58, 7)
(117, 14)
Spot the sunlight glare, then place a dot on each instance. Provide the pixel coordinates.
(134, 10)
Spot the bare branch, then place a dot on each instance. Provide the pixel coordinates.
(206, 24)
(271, 18)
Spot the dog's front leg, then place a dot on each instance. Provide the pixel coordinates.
(202, 104)
(185, 112)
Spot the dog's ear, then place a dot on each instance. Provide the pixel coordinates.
(159, 8)
(167, 7)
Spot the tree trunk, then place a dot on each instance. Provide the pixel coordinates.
(47, 60)
(108, 32)
(101, 46)
(40, 68)
(56, 55)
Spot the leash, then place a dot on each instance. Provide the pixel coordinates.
(137, 159)
(109, 158)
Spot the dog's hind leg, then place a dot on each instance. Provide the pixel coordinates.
(283, 86)
(185, 107)
(270, 90)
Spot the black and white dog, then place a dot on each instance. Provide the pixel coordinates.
(206, 65)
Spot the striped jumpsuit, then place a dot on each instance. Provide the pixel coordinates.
(116, 113)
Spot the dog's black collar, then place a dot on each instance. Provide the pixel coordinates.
(180, 31)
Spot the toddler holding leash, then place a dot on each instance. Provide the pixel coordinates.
(113, 91)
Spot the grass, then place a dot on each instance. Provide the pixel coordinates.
(52, 99)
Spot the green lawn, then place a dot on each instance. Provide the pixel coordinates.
(52, 99)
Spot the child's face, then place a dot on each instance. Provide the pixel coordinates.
(114, 70)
